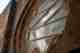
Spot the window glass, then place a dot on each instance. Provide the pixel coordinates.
(3, 5)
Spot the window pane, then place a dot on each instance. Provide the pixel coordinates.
(3, 5)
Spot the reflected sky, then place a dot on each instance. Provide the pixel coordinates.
(3, 4)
